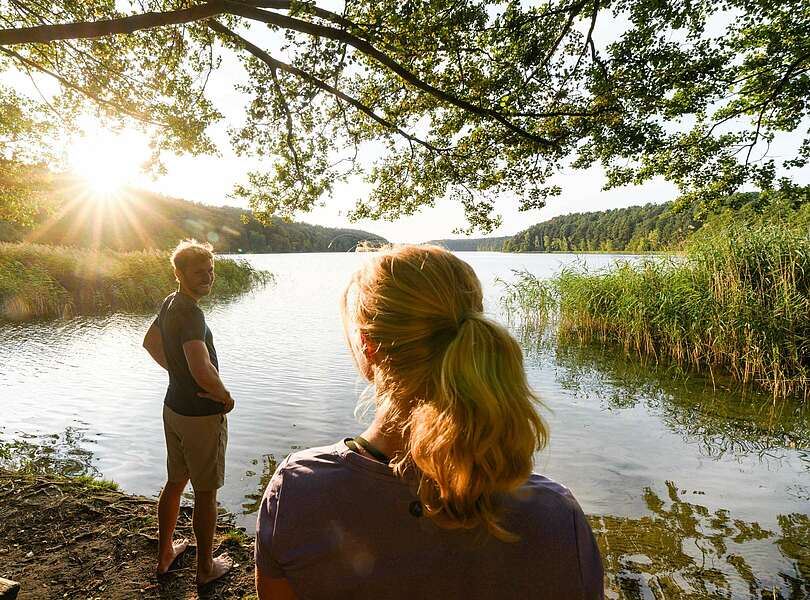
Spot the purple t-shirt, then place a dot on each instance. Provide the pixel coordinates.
(336, 524)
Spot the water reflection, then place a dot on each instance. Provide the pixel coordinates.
(720, 417)
(63, 453)
(679, 550)
(254, 500)
(684, 551)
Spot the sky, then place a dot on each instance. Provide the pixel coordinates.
(211, 179)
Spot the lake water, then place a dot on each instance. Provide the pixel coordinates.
(693, 491)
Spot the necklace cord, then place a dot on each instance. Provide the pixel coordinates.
(368, 447)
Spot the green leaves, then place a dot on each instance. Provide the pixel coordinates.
(441, 99)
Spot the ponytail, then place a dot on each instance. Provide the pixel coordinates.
(449, 380)
(473, 441)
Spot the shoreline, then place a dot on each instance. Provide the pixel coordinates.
(79, 537)
(39, 282)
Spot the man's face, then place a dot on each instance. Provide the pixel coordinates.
(198, 277)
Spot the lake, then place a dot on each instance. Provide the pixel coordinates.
(695, 490)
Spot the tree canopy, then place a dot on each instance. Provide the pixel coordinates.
(429, 99)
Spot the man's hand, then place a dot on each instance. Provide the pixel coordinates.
(226, 400)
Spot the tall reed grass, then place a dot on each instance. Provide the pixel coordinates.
(738, 302)
(38, 281)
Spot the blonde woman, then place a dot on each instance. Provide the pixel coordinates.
(436, 499)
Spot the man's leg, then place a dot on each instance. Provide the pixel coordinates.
(168, 511)
(169, 503)
(205, 523)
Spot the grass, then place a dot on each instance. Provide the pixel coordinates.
(95, 484)
(236, 536)
(738, 302)
(38, 281)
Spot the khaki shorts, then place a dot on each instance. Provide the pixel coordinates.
(195, 448)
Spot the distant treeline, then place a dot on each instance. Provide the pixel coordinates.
(648, 228)
(473, 245)
(141, 220)
(634, 229)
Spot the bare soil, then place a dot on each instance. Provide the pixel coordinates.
(64, 538)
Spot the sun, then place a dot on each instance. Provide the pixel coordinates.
(106, 161)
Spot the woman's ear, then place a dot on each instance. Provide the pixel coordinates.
(369, 349)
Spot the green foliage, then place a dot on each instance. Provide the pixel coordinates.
(236, 537)
(648, 228)
(738, 302)
(96, 484)
(461, 100)
(45, 281)
(494, 244)
(23, 199)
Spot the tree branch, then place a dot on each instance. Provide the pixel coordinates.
(96, 98)
(316, 30)
(324, 14)
(288, 114)
(275, 63)
(94, 29)
(125, 25)
(572, 14)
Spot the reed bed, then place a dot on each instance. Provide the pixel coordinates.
(38, 281)
(738, 302)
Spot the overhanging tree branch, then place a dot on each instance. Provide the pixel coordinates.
(289, 120)
(123, 25)
(277, 64)
(314, 29)
(324, 14)
(130, 24)
(77, 88)
(572, 14)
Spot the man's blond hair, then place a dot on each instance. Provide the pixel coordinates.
(189, 251)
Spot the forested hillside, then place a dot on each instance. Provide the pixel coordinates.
(136, 219)
(634, 229)
(648, 228)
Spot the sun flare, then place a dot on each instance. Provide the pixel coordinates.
(107, 161)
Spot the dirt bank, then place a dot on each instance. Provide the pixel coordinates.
(76, 538)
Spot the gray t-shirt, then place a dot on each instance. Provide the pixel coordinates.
(336, 524)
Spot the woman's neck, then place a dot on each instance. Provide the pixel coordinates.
(387, 442)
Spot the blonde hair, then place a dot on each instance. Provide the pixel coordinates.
(448, 379)
(189, 251)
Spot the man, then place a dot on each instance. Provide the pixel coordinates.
(194, 410)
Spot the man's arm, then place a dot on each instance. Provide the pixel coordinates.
(153, 343)
(205, 373)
